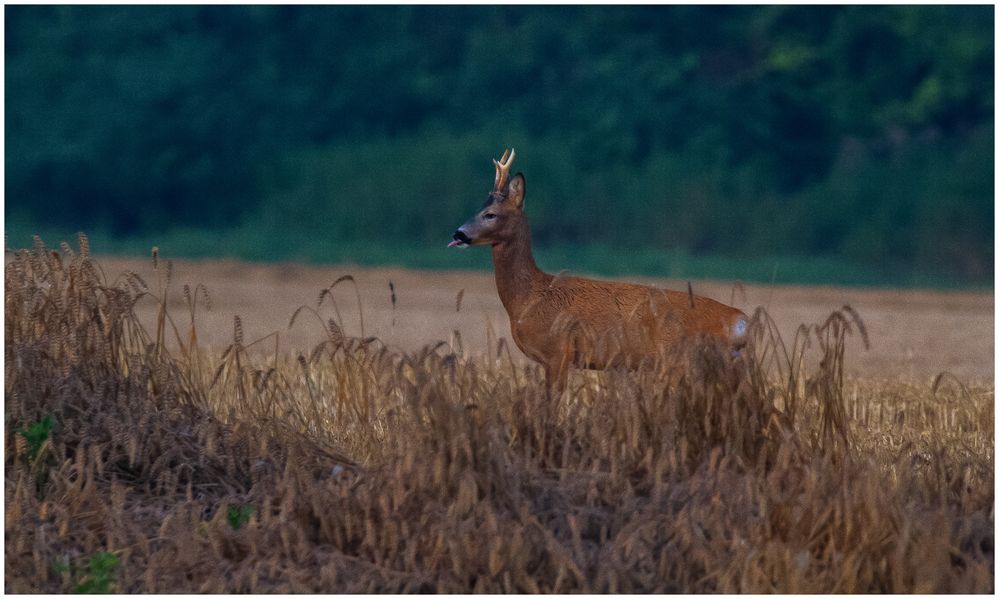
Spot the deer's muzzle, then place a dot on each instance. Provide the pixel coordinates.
(460, 239)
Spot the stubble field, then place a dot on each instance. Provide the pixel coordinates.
(914, 334)
(147, 451)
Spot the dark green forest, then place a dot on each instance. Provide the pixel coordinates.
(854, 142)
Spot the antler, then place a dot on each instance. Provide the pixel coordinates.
(503, 168)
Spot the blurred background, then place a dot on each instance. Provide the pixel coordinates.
(849, 145)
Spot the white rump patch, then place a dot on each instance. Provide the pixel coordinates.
(740, 327)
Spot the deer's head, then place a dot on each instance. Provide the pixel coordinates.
(502, 215)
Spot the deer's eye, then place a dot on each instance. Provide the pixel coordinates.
(489, 216)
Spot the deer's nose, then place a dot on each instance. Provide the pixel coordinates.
(459, 239)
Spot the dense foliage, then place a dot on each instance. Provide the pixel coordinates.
(859, 132)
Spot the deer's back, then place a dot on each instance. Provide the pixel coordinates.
(600, 324)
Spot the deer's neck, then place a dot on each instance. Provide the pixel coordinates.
(516, 272)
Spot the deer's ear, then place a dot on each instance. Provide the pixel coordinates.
(517, 190)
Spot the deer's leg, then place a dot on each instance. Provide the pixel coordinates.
(556, 375)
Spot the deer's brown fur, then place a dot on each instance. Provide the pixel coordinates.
(563, 321)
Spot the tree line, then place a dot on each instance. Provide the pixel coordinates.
(857, 131)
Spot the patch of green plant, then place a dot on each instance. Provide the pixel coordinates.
(95, 577)
(36, 434)
(239, 515)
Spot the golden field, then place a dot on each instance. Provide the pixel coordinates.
(914, 334)
(151, 451)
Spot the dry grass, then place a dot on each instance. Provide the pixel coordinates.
(136, 461)
(914, 334)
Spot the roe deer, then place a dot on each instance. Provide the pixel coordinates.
(563, 321)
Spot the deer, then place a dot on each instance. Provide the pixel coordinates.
(564, 322)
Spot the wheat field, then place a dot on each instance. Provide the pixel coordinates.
(145, 452)
(913, 334)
